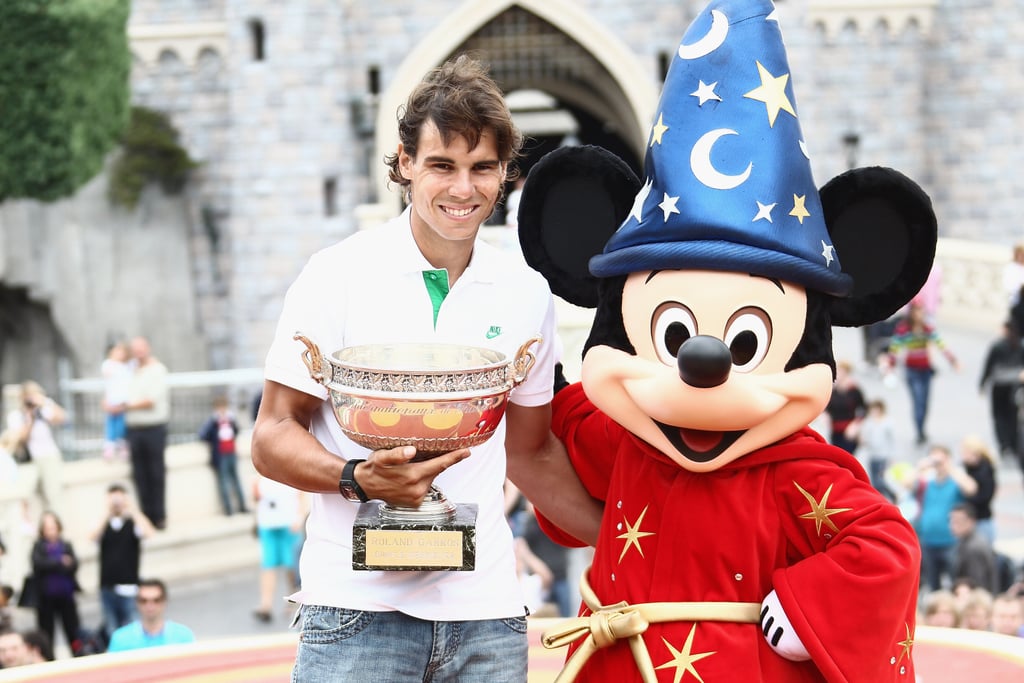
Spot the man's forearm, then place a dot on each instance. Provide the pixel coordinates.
(546, 477)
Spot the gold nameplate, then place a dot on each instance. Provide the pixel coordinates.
(411, 548)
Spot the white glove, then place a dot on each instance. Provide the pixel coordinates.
(778, 631)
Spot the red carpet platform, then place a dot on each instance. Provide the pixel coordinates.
(941, 656)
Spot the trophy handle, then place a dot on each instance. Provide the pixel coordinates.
(312, 358)
(523, 361)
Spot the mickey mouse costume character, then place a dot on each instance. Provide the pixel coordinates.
(736, 543)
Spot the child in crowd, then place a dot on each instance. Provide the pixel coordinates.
(116, 371)
(941, 609)
(220, 431)
(877, 445)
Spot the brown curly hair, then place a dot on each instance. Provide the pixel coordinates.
(461, 99)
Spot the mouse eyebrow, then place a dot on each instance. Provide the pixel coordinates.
(776, 282)
(651, 276)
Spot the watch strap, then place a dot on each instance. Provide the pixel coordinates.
(348, 479)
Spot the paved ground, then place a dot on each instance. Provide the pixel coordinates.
(221, 606)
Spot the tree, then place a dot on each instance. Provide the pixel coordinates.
(64, 92)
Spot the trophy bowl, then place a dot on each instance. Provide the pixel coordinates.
(436, 397)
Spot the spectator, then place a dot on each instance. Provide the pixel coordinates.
(120, 552)
(554, 556)
(33, 423)
(54, 570)
(845, 408)
(1001, 373)
(938, 493)
(535, 577)
(13, 651)
(913, 341)
(979, 486)
(279, 520)
(1013, 276)
(1008, 615)
(38, 646)
(975, 558)
(877, 445)
(147, 413)
(116, 372)
(977, 611)
(220, 431)
(941, 609)
(152, 628)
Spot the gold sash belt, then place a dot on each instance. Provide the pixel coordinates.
(609, 623)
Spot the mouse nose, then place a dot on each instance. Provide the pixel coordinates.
(704, 361)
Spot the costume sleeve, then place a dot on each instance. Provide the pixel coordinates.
(852, 598)
(591, 440)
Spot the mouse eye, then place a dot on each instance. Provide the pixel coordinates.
(748, 335)
(671, 325)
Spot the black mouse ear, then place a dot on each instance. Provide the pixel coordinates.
(574, 199)
(884, 231)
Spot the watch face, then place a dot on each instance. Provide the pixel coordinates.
(349, 492)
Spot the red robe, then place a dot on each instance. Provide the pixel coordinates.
(799, 517)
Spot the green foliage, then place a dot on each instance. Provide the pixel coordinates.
(64, 92)
(149, 153)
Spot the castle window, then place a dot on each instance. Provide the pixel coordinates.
(331, 196)
(257, 35)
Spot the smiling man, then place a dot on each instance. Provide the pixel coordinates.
(423, 277)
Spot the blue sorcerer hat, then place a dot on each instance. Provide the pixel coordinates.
(728, 182)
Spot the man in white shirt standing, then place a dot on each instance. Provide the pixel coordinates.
(147, 413)
(422, 277)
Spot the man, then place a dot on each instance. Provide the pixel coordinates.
(13, 650)
(120, 551)
(152, 629)
(1008, 615)
(1001, 373)
(422, 277)
(975, 558)
(146, 414)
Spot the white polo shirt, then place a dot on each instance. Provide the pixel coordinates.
(370, 288)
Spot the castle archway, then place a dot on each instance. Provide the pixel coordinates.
(548, 45)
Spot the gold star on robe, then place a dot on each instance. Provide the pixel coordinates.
(683, 660)
(772, 92)
(633, 535)
(799, 210)
(658, 130)
(820, 512)
(905, 645)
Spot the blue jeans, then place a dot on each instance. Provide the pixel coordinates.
(919, 382)
(338, 644)
(227, 482)
(118, 610)
(936, 563)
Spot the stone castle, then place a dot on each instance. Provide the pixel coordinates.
(290, 108)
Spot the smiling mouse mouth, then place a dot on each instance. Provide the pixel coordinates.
(699, 445)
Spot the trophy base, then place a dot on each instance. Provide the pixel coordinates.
(411, 545)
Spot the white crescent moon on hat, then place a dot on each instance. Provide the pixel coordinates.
(700, 163)
(709, 43)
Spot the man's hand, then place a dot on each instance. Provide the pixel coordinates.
(389, 476)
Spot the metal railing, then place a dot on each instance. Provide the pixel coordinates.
(192, 396)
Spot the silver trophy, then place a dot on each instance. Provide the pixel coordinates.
(436, 397)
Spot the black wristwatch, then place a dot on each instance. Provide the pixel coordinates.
(348, 486)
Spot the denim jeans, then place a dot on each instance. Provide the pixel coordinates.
(919, 382)
(118, 610)
(338, 645)
(228, 483)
